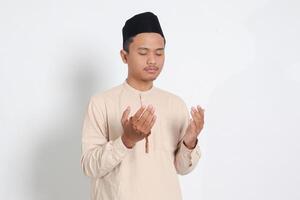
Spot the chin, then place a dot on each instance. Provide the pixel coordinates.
(149, 78)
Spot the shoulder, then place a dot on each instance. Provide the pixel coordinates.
(100, 98)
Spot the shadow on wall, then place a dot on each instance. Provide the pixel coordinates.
(57, 171)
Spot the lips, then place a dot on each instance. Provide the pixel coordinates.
(151, 69)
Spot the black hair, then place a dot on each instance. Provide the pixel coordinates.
(129, 41)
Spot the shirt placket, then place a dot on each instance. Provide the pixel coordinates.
(146, 138)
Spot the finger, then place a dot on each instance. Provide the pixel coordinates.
(153, 121)
(136, 116)
(193, 124)
(148, 120)
(125, 115)
(200, 112)
(151, 124)
(148, 112)
(196, 115)
(200, 109)
(197, 118)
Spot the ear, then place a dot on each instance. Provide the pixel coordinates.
(123, 54)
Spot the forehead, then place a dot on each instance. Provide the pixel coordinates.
(148, 40)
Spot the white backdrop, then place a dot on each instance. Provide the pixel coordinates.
(238, 59)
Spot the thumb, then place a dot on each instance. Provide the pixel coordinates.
(125, 115)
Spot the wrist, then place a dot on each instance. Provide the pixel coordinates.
(127, 142)
(190, 144)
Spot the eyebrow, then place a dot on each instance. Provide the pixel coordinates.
(144, 48)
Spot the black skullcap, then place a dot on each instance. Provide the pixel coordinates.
(141, 23)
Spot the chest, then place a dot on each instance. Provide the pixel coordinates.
(164, 133)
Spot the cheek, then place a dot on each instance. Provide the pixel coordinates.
(137, 65)
(135, 58)
(161, 60)
(139, 62)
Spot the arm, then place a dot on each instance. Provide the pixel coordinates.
(186, 158)
(99, 156)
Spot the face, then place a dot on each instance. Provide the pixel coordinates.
(145, 58)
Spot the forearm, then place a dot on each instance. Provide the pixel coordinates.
(100, 160)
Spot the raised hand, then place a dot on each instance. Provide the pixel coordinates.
(138, 126)
(195, 126)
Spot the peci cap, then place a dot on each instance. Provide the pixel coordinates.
(141, 23)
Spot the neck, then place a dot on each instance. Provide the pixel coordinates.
(140, 85)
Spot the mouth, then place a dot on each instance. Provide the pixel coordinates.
(151, 70)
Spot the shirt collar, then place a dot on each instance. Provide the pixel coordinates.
(136, 91)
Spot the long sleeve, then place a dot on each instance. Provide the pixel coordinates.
(185, 159)
(99, 155)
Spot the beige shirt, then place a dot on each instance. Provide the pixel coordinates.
(121, 173)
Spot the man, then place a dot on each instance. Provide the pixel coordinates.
(136, 137)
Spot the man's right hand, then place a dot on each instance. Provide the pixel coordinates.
(138, 126)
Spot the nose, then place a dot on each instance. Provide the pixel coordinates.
(151, 60)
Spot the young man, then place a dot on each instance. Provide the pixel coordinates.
(136, 137)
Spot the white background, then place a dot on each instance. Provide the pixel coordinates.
(238, 59)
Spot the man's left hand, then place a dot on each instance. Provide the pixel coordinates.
(195, 126)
